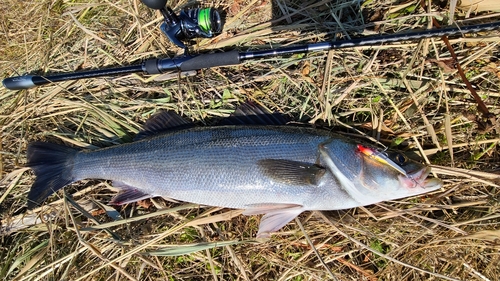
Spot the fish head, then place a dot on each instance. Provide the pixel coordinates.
(375, 176)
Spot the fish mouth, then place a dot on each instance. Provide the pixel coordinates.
(419, 180)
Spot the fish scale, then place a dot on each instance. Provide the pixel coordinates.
(179, 164)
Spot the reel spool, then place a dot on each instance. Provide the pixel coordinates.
(189, 24)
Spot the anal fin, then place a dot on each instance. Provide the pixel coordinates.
(276, 216)
(128, 194)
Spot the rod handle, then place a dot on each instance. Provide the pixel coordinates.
(211, 60)
(19, 82)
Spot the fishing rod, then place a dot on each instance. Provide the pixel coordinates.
(205, 23)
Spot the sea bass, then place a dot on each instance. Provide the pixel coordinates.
(251, 161)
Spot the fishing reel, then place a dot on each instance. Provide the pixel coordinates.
(189, 24)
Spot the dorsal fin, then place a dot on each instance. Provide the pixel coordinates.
(252, 114)
(163, 122)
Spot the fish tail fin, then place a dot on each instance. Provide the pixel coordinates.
(53, 168)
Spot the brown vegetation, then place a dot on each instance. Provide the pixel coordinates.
(408, 95)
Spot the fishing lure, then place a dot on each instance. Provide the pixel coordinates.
(380, 157)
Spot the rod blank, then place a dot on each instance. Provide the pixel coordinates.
(185, 63)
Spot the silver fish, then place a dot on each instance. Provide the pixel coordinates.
(276, 170)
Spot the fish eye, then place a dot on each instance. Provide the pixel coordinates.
(400, 158)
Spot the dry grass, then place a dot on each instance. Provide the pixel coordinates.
(404, 94)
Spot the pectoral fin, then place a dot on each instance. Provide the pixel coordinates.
(276, 216)
(291, 172)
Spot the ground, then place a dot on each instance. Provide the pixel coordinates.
(409, 96)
